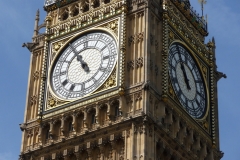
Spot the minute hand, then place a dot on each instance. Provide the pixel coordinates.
(79, 58)
(183, 70)
(185, 76)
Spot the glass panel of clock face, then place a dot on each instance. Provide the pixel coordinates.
(187, 81)
(84, 65)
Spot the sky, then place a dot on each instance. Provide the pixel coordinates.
(16, 27)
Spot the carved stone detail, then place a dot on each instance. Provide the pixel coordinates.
(34, 99)
(129, 99)
(139, 37)
(130, 65)
(112, 26)
(131, 40)
(110, 82)
(138, 96)
(54, 102)
(57, 46)
(139, 62)
(36, 75)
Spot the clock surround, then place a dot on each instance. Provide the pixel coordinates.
(186, 78)
(98, 49)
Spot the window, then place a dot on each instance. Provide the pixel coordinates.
(93, 119)
(70, 126)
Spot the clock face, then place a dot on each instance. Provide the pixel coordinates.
(84, 65)
(187, 81)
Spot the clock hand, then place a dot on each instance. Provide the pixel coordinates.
(79, 58)
(183, 70)
(185, 76)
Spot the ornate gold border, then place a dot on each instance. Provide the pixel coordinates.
(203, 77)
(60, 51)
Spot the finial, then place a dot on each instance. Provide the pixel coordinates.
(37, 15)
(210, 44)
(213, 40)
(202, 2)
(36, 24)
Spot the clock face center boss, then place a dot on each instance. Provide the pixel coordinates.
(187, 81)
(83, 65)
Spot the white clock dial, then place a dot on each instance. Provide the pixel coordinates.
(187, 81)
(84, 65)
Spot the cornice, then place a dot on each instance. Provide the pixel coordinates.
(83, 20)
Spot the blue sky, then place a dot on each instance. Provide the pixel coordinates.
(16, 26)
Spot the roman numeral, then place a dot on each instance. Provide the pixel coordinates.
(197, 103)
(193, 106)
(198, 81)
(85, 44)
(103, 69)
(179, 93)
(201, 95)
(72, 87)
(172, 67)
(83, 86)
(64, 82)
(63, 73)
(68, 62)
(106, 57)
(174, 80)
(193, 66)
(94, 80)
(103, 48)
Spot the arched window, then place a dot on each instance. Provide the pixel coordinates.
(117, 112)
(47, 134)
(70, 126)
(93, 120)
(56, 130)
(115, 107)
(75, 12)
(65, 16)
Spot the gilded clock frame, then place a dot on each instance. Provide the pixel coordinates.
(59, 52)
(62, 104)
(196, 60)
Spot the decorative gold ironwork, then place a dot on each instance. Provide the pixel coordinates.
(54, 102)
(113, 26)
(110, 82)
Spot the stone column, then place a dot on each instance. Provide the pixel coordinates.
(74, 123)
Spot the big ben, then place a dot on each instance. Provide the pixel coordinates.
(121, 80)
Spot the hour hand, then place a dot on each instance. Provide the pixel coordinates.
(79, 58)
(85, 66)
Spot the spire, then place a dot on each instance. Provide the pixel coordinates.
(214, 48)
(37, 14)
(36, 24)
(213, 40)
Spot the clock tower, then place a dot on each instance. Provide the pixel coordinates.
(121, 80)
